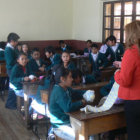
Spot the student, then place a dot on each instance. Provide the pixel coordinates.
(25, 49)
(115, 50)
(20, 72)
(18, 49)
(10, 55)
(79, 78)
(104, 46)
(36, 64)
(66, 63)
(2, 47)
(87, 50)
(64, 46)
(61, 101)
(52, 57)
(97, 60)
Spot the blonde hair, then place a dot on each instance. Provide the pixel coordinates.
(132, 31)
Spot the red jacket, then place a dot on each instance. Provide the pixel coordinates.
(129, 76)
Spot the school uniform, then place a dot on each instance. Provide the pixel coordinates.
(34, 65)
(97, 60)
(103, 48)
(10, 58)
(54, 60)
(2, 57)
(104, 91)
(17, 52)
(89, 79)
(66, 48)
(115, 53)
(86, 50)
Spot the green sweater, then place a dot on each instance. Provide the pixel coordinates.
(61, 102)
(17, 75)
(10, 57)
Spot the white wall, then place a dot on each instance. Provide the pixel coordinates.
(36, 19)
(87, 20)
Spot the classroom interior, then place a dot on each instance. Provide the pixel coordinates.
(43, 23)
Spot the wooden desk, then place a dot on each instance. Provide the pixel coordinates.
(95, 123)
(30, 88)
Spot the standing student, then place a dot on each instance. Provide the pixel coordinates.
(128, 77)
(36, 63)
(63, 99)
(52, 57)
(18, 49)
(25, 49)
(87, 50)
(64, 46)
(104, 47)
(98, 60)
(10, 55)
(2, 48)
(115, 50)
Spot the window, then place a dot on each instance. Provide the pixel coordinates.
(116, 15)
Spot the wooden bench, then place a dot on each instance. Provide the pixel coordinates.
(95, 123)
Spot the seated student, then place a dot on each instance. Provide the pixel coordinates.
(64, 46)
(52, 57)
(97, 60)
(61, 101)
(79, 78)
(104, 46)
(115, 50)
(66, 62)
(10, 55)
(18, 49)
(2, 47)
(25, 49)
(20, 72)
(87, 50)
(36, 64)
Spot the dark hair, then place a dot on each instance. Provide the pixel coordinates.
(13, 37)
(19, 44)
(50, 49)
(2, 45)
(55, 77)
(76, 73)
(61, 42)
(66, 51)
(112, 38)
(21, 54)
(89, 41)
(34, 50)
(94, 46)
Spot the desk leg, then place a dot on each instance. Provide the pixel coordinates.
(81, 131)
(26, 109)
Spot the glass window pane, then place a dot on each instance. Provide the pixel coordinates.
(108, 9)
(138, 8)
(117, 22)
(116, 33)
(107, 33)
(117, 9)
(107, 22)
(127, 20)
(128, 8)
(124, 37)
(138, 17)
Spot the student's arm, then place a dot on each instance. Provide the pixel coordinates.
(105, 61)
(90, 58)
(124, 77)
(65, 102)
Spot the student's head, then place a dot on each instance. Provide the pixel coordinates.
(49, 51)
(25, 48)
(22, 59)
(13, 39)
(2, 45)
(65, 57)
(94, 48)
(35, 54)
(77, 76)
(61, 43)
(132, 31)
(19, 46)
(111, 40)
(88, 43)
